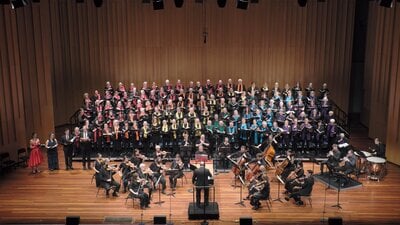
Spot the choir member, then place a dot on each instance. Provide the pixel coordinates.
(86, 147)
(35, 157)
(52, 152)
(67, 141)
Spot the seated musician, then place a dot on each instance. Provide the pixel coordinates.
(145, 173)
(333, 159)
(239, 159)
(255, 180)
(349, 164)
(304, 189)
(160, 154)
(342, 143)
(287, 166)
(177, 171)
(379, 148)
(136, 191)
(126, 169)
(262, 192)
(294, 178)
(223, 150)
(106, 179)
(157, 169)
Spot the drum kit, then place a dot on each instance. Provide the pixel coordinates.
(374, 167)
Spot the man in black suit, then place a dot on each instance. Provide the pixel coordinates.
(86, 146)
(201, 182)
(66, 140)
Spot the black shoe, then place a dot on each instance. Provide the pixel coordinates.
(71, 168)
(89, 167)
(287, 198)
(255, 208)
(84, 167)
(163, 192)
(67, 168)
(115, 194)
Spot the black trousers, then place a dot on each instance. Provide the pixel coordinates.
(143, 197)
(68, 157)
(255, 199)
(198, 195)
(173, 178)
(86, 148)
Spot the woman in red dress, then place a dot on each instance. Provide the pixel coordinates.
(35, 158)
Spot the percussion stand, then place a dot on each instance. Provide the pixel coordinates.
(338, 205)
(278, 199)
(159, 191)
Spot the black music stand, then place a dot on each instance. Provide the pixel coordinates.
(159, 191)
(338, 205)
(278, 199)
(171, 194)
(241, 202)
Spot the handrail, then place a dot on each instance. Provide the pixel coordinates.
(73, 120)
(341, 117)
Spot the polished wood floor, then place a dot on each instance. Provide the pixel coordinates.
(49, 197)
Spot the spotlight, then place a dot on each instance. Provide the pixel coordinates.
(158, 4)
(242, 4)
(386, 3)
(178, 3)
(98, 3)
(18, 4)
(302, 3)
(221, 3)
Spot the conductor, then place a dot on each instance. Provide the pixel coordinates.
(201, 181)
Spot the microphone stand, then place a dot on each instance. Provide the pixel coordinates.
(204, 189)
(338, 205)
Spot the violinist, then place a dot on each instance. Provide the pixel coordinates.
(157, 169)
(160, 154)
(303, 189)
(137, 157)
(126, 169)
(262, 191)
(349, 162)
(295, 178)
(98, 164)
(145, 174)
(106, 179)
(136, 191)
(177, 171)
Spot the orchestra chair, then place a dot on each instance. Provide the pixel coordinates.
(306, 198)
(98, 190)
(183, 177)
(131, 196)
(268, 202)
(22, 157)
(6, 163)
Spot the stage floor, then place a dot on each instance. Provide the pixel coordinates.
(49, 197)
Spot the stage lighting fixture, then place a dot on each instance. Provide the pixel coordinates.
(302, 3)
(98, 3)
(18, 3)
(4, 2)
(386, 3)
(158, 4)
(221, 3)
(178, 3)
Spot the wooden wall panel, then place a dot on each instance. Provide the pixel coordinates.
(382, 77)
(130, 42)
(26, 68)
(393, 128)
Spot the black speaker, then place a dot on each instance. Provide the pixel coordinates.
(302, 3)
(98, 3)
(335, 221)
(245, 220)
(72, 220)
(242, 4)
(178, 3)
(221, 3)
(158, 4)
(160, 219)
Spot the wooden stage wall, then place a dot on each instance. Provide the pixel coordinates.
(382, 77)
(54, 51)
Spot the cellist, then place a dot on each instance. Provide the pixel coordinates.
(239, 159)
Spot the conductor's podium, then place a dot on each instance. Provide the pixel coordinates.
(204, 212)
